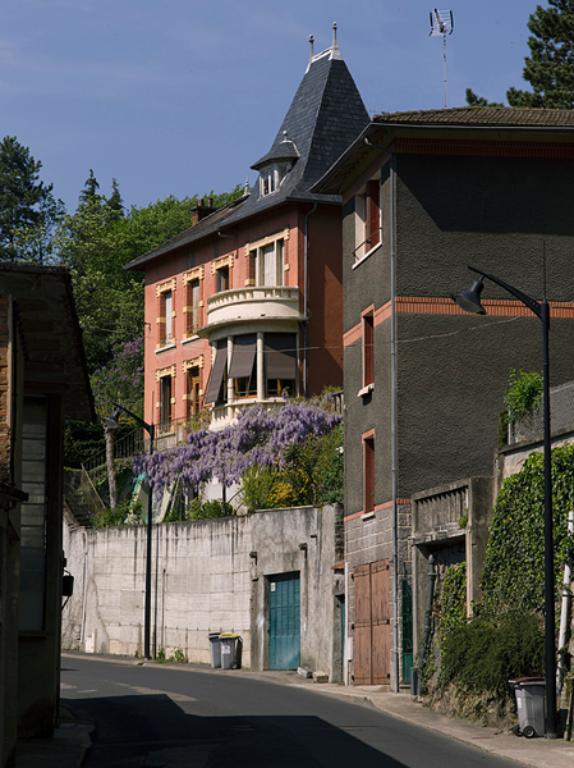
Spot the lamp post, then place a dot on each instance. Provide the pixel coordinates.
(469, 300)
(112, 423)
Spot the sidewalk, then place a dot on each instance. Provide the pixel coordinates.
(66, 749)
(538, 753)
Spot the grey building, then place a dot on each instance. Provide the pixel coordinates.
(425, 194)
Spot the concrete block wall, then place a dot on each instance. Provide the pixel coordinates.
(207, 576)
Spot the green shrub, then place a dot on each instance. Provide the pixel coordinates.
(483, 655)
(514, 562)
(209, 510)
(453, 600)
(107, 518)
(523, 393)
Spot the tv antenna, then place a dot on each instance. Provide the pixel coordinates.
(442, 25)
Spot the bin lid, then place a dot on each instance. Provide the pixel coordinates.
(228, 635)
(528, 681)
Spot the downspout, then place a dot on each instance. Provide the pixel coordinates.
(306, 297)
(565, 610)
(395, 667)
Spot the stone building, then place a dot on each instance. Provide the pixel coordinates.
(43, 380)
(425, 194)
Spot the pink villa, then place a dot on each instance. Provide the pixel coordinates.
(245, 306)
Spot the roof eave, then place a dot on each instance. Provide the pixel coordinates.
(330, 182)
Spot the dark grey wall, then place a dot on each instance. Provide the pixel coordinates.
(453, 370)
(490, 212)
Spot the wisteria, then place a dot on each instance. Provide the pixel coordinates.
(259, 437)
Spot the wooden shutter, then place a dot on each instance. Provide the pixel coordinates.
(369, 474)
(368, 349)
(373, 214)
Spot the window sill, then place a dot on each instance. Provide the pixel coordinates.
(165, 347)
(365, 256)
(366, 390)
(187, 339)
(368, 516)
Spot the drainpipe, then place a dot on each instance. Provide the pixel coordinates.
(565, 610)
(306, 297)
(395, 667)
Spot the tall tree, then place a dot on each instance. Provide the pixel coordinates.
(550, 67)
(28, 210)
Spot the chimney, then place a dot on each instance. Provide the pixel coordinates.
(203, 208)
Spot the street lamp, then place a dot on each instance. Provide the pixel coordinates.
(469, 300)
(112, 423)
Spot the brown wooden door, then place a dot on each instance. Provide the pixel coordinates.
(372, 630)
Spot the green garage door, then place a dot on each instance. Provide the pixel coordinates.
(284, 621)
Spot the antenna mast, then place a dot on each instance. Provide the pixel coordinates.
(442, 25)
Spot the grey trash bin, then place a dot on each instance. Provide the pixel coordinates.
(215, 648)
(529, 692)
(230, 650)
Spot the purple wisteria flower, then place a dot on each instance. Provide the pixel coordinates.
(259, 437)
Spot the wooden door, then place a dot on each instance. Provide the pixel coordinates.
(372, 625)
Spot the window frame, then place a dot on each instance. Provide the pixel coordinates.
(369, 472)
(368, 219)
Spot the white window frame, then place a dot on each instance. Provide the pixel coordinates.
(361, 252)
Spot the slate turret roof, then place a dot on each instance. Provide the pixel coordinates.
(324, 118)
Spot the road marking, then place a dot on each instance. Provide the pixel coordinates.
(182, 697)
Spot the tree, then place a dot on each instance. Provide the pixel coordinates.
(550, 67)
(28, 210)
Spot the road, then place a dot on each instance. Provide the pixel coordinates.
(155, 716)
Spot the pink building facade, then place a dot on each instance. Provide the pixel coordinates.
(245, 306)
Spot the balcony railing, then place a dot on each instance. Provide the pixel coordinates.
(253, 304)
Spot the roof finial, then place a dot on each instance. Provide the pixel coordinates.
(312, 46)
(334, 46)
(246, 187)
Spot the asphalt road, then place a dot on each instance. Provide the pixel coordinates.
(154, 716)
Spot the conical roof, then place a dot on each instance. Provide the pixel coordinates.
(325, 116)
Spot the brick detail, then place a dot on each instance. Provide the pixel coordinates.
(161, 372)
(168, 285)
(222, 261)
(485, 148)
(197, 273)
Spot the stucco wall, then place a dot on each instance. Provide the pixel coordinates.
(207, 576)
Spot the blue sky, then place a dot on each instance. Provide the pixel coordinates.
(181, 96)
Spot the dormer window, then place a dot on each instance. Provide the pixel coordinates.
(270, 178)
(275, 165)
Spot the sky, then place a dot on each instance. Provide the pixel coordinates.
(179, 97)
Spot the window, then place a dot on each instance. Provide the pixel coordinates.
(165, 403)
(281, 364)
(367, 218)
(368, 349)
(193, 391)
(166, 318)
(270, 178)
(216, 393)
(266, 264)
(369, 473)
(242, 367)
(193, 306)
(222, 279)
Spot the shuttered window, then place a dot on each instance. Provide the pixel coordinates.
(369, 474)
(373, 214)
(193, 306)
(368, 349)
(217, 373)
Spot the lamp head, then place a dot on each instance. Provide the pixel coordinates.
(469, 299)
(112, 422)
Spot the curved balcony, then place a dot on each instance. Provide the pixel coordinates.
(252, 304)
